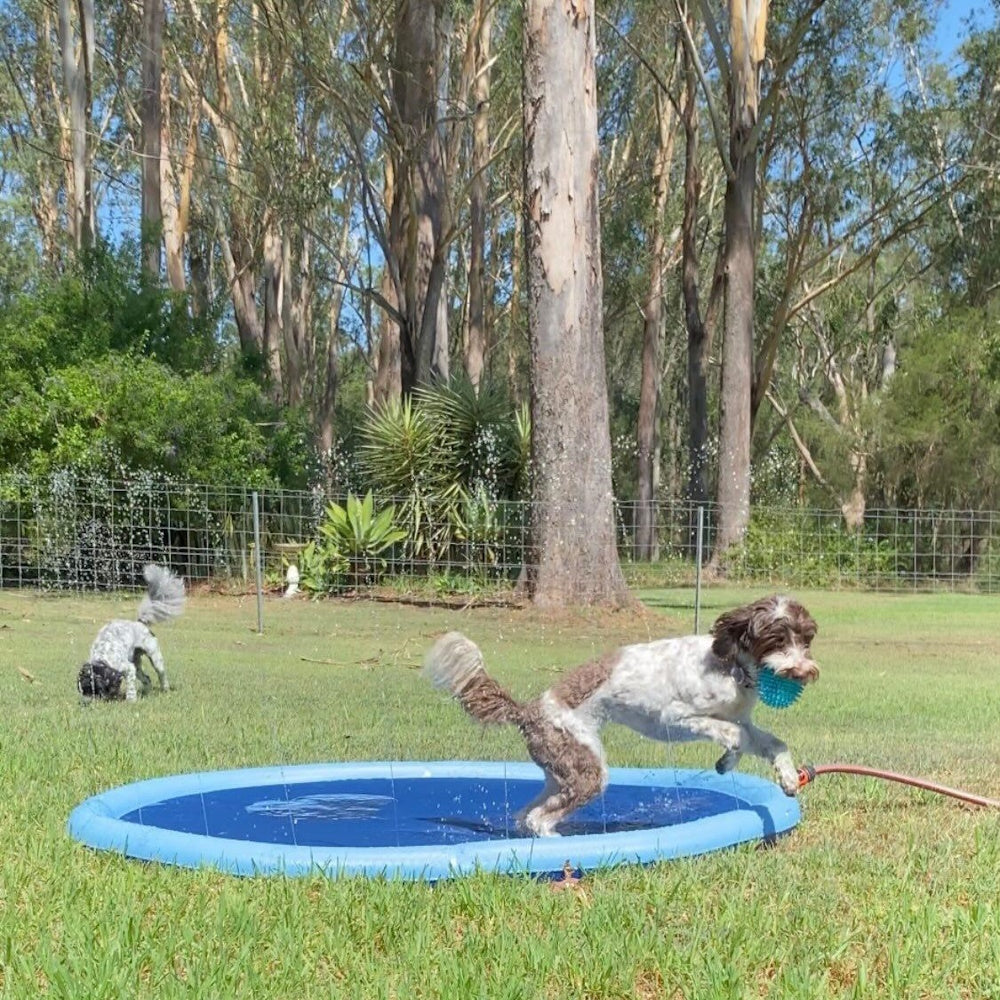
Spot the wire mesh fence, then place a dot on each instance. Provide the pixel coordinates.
(78, 533)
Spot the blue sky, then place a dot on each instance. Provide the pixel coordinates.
(952, 27)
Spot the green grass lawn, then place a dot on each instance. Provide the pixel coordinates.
(881, 891)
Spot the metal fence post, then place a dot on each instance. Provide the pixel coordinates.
(257, 563)
(698, 545)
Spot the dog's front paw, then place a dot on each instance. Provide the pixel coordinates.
(790, 785)
(728, 761)
(788, 776)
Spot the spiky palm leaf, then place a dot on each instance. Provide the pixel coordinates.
(478, 431)
(405, 453)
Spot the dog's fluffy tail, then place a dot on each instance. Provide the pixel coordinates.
(164, 597)
(456, 663)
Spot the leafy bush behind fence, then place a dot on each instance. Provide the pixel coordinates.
(86, 533)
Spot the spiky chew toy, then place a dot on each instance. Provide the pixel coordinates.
(776, 691)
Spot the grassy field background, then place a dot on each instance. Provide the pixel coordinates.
(881, 891)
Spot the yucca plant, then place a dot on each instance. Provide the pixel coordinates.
(434, 450)
(487, 441)
(519, 453)
(405, 454)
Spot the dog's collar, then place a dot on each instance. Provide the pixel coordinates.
(744, 670)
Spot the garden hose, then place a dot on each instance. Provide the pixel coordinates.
(809, 773)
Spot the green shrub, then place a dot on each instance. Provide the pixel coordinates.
(352, 546)
(793, 547)
(489, 534)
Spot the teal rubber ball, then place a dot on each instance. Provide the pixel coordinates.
(775, 691)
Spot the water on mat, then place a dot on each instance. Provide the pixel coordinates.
(382, 812)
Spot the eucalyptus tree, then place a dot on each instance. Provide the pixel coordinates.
(418, 200)
(240, 90)
(75, 33)
(937, 423)
(974, 247)
(476, 330)
(62, 100)
(748, 108)
(700, 310)
(151, 126)
(640, 127)
(31, 171)
(573, 556)
(747, 32)
(254, 159)
(852, 195)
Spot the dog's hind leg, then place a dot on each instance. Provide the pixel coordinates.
(549, 790)
(571, 791)
(574, 768)
(151, 648)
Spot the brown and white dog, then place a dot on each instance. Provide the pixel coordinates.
(698, 687)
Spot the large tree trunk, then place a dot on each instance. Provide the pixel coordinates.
(235, 233)
(856, 503)
(418, 213)
(746, 35)
(698, 338)
(652, 333)
(329, 376)
(573, 557)
(515, 333)
(737, 354)
(46, 196)
(243, 291)
(151, 116)
(697, 333)
(387, 380)
(296, 320)
(476, 334)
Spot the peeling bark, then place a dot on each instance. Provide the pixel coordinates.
(573, 556)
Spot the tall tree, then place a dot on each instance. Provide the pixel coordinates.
(699, 325)
(151, 116)
(747, 29)
(418, 212)
(652, 324)
(78, 79)
(847, 183)
(476, 334)
(573, 558)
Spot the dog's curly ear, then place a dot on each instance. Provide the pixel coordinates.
(733, 631)
(745, 628)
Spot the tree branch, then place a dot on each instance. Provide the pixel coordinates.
(721, 137)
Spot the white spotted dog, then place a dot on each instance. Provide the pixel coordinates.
(699, 687)
(117, 652)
